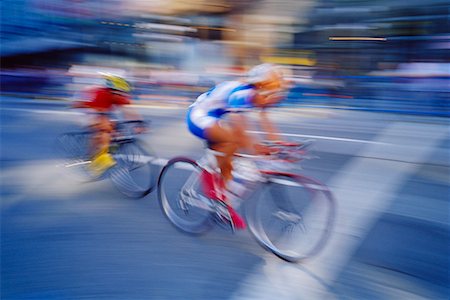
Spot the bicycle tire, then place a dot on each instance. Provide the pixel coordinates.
(76, 151)
(134, 174)
(181, 198)
(312, 213)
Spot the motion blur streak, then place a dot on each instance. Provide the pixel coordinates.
(363, 193)
(368, 82)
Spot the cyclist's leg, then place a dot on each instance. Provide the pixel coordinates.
(101, 159)
(221, 139)
(224, 140)
(103, 133)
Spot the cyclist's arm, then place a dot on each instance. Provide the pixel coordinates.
(239, 103)
(246, 141)
(268, 126)
(130, 113)
(239, 124)
(124, 104)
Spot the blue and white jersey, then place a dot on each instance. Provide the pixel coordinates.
(231, 96)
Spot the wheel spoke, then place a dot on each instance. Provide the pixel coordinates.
(290, 218)
(181, 197)
(134, 174)
(75, 150)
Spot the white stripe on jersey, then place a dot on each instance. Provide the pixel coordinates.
(217, 98)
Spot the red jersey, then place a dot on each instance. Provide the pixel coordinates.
(104, 100)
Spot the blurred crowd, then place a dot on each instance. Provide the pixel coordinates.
(379, 55)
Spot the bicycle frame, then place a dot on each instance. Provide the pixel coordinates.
(255, 175)
(188, 193)
(243, 164)
(271, 193)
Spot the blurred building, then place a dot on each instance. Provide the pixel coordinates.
(341, 50)
(367, 46)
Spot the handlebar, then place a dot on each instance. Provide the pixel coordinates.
(126, 122)
(129, 128)
(283, 151)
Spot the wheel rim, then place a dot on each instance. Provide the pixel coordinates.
(292, 217)
(134, 173)
(181, 196)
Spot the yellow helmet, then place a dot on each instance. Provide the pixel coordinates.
(117, 83)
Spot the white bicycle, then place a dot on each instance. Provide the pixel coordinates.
(289, 214)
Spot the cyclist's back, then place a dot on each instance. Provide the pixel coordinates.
(225, 97)
(229, 96)
(104, 99)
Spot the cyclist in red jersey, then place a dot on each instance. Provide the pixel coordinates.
(103, 101)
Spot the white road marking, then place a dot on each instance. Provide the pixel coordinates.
(76, 164)
(340, 139)
(363, 192)
(325, 138)
(44, 111)
(153, 160)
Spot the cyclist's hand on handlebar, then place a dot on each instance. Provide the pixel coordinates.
(263, 150)
(287, 143)
(140, 129)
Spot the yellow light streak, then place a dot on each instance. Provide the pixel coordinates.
(289, 60)
(351, 38)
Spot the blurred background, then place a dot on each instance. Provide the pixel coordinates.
(361, 54)
(370, 83)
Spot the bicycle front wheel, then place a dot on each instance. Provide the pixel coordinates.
(181, 197)
(291, 216)
(134, 174)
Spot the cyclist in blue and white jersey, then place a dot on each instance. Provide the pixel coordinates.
(262, 88)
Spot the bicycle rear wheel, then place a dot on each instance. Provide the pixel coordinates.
(181, 198)
(76, 150)
(292, 216)
(134, 175)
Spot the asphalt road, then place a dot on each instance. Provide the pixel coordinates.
(63, 239)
